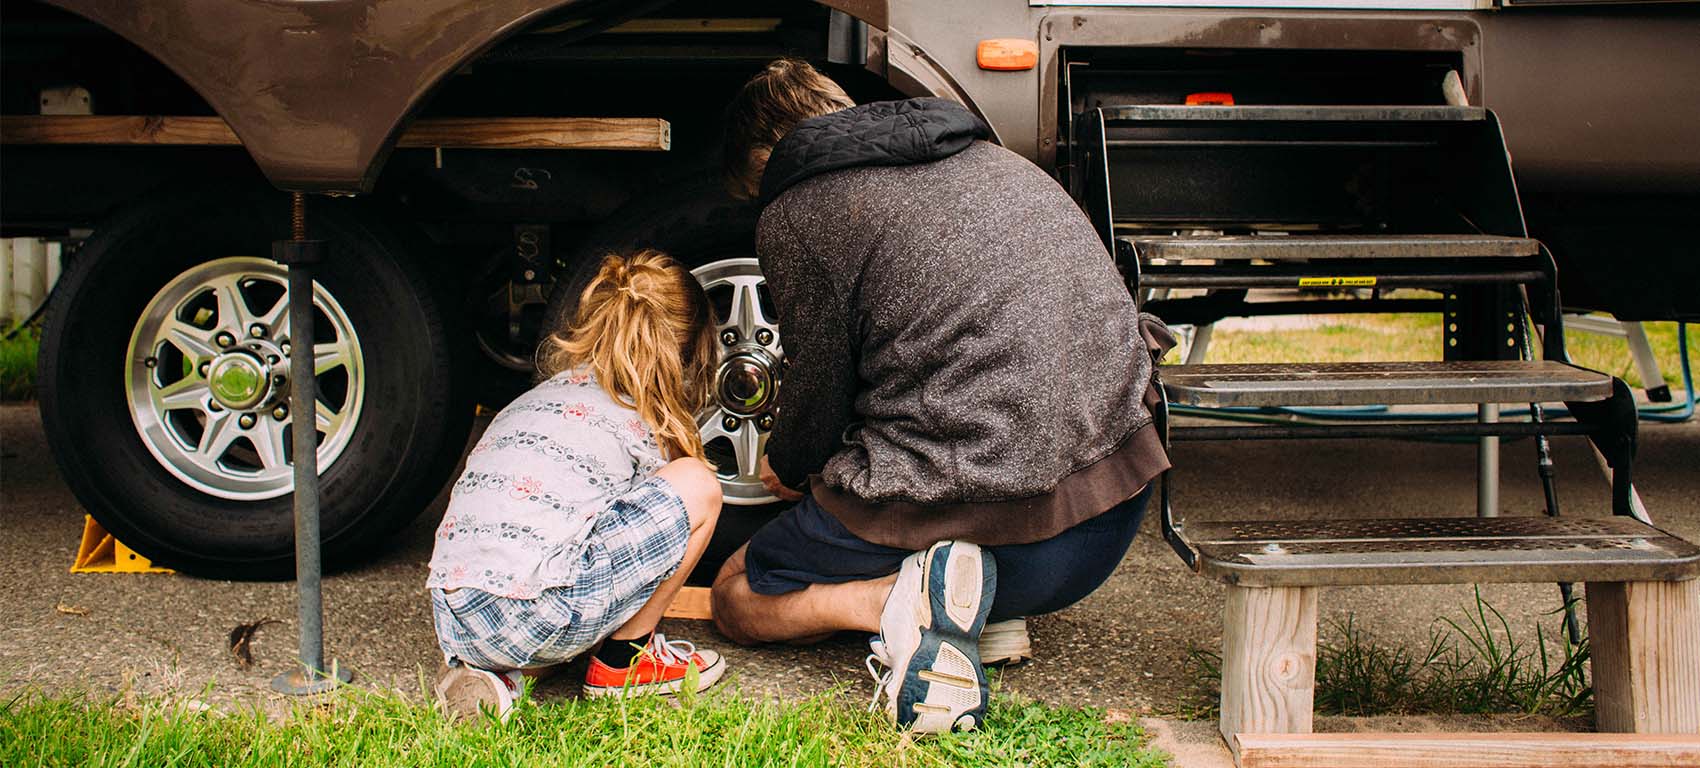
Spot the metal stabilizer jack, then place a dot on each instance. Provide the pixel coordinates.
(1543, 461)
(301, 255)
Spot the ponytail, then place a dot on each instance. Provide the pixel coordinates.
(644, 330)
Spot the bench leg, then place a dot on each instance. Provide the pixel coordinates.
(1645, 644)
(1268, 661)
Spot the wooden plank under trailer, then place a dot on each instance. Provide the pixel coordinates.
(611, 133)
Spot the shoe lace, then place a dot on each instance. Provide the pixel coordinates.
(877, 657)
(671, 651)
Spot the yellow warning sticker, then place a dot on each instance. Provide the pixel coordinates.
(1336, 282)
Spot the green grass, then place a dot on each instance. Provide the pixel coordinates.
(1474, 664)
(358, 728)
(17, 365)
(1415, 337)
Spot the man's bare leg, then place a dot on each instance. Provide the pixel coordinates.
(806, 615)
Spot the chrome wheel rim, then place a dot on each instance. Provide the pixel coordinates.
(736, 424)
(207, 378)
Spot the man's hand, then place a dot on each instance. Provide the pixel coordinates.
(770, 481)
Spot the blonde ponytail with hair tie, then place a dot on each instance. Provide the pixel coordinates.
(655, 354)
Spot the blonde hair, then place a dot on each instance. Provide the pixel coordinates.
(643, 328)
(785, 93)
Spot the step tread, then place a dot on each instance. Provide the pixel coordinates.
(1317, 247)
(1311, 113)
(1439, 551)
(1392, 383)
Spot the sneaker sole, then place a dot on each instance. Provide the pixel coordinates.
(705, 679)
(944, 686)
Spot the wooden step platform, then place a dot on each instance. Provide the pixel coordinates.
(1467, 750)
(1399, 383)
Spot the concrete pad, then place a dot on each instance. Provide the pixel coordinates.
(1124, 648)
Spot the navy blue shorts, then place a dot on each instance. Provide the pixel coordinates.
(807, 545)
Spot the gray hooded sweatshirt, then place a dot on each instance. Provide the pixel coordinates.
(964, 358)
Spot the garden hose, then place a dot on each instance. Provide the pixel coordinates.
(1671, 412)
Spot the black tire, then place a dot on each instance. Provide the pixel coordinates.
(401, 448)
(694, 223)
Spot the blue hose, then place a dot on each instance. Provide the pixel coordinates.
(1674, 412)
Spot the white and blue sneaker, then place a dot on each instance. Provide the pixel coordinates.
(929, 639)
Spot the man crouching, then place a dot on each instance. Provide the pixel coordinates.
(964, 416)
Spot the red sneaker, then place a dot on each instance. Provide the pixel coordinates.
(659, 668)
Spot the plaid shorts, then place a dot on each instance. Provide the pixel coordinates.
(633, 547)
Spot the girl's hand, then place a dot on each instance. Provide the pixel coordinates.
(770, 481)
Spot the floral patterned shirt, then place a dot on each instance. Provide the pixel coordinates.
(549, 463)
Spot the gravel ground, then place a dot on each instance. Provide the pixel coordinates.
(1123, 648)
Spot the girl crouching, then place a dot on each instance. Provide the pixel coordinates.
(586, 502)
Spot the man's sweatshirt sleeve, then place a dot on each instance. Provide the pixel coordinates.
(817, 396)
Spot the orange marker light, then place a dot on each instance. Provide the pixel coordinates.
(1007, 54)
(1210, 98)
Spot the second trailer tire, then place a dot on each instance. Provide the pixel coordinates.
(164, 391)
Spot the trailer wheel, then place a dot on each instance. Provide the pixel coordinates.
(164, 383)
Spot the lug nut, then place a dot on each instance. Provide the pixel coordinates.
(205, 366)
(212, 405)
(151, 362)
(285, 347)
(224, 339)
(281, 412)
(766, 421)
(728, 337)
(764, 336)
(277, 381)
(272, 359)
(257, 331)
(246, 420)
(729, 423)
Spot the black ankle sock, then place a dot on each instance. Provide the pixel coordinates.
(618, 653)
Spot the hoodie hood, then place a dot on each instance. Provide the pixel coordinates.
(907, 132)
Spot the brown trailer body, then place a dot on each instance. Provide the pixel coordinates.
(1599, 97)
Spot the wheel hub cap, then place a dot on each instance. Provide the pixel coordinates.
(239, 381)
(745, 385)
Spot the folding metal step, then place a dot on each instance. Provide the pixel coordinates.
(1293, 113)
(1332, 247)
(1308, 553)
(1302, 169)
(1399, 383)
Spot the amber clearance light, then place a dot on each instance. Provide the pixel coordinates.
(1007, 54)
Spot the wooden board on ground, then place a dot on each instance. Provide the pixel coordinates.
(690, 603)
(1466, 750)
(620, 133)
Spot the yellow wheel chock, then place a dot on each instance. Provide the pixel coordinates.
(101, 552)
